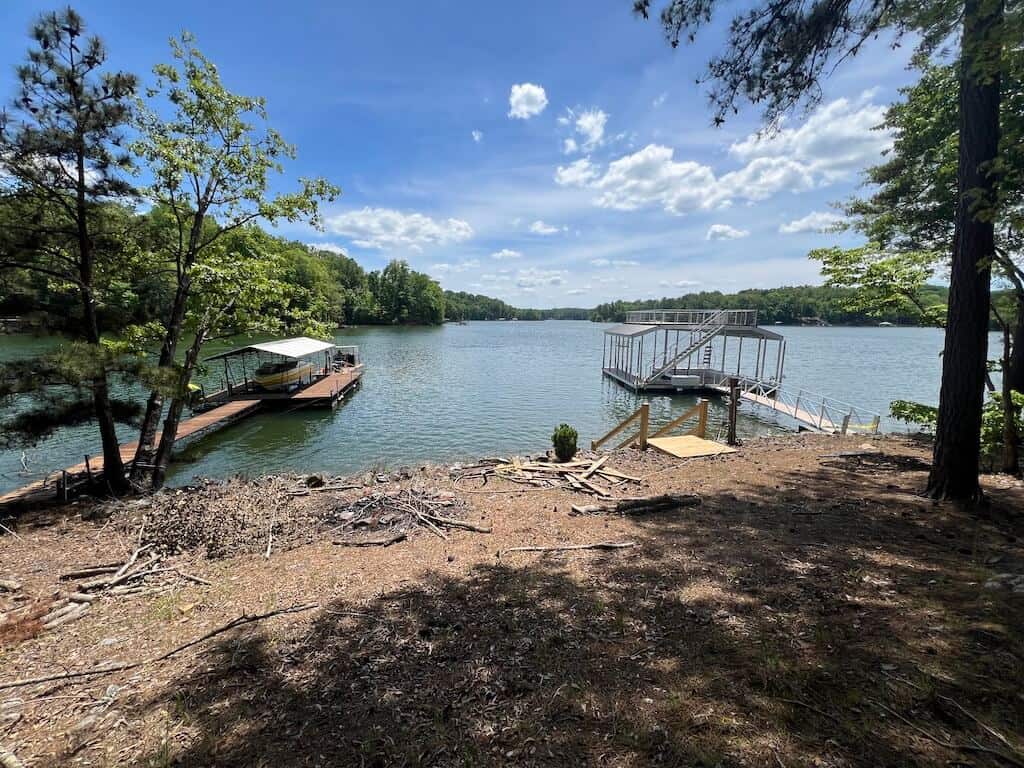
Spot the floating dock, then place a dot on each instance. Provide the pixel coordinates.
(707, 351)
(325, 386)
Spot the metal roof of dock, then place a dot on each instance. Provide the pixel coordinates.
(630, 329)
(300, 346)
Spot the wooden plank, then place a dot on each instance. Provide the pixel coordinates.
(688, 446)
(330, 386)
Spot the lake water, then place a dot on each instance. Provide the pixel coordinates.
(461, 391)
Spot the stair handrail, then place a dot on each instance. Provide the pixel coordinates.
(702, 338)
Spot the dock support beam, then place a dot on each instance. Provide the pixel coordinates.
(734, 401)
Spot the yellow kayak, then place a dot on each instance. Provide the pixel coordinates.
(282, 376)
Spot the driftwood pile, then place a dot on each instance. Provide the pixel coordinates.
(591, 476)
(383, 518)
(260, 516)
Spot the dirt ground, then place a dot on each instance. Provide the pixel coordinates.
(812, 611)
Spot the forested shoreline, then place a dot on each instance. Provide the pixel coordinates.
(335, 290)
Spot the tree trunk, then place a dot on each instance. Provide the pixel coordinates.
(954, 473)
(1013, 372)
(113, 465)
(144, 462)
(173, 419)
(1011, 459)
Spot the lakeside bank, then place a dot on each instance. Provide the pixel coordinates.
(811, 593)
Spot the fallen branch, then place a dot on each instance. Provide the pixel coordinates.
(192, 577)
(9, 585)
(387, 542)
(639, 505)
(572, 547)
(459, 524)
(96, 570)
(126, 665)
(988, 729)
(321, 489)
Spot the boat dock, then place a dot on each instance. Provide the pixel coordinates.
(702, 351)
(323, 386)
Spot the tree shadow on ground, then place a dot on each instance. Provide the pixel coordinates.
(766, 627)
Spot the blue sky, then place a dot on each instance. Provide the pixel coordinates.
(549, 154)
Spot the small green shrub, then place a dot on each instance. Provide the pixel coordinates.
(564, 440)
(914, 413)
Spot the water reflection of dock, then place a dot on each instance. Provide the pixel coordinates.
(322, 385)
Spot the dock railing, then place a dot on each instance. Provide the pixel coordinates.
(734, 317)
(821, 412)
(642, 435)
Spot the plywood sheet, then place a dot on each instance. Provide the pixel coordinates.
(688, 446)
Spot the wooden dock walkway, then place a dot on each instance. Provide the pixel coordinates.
(191, 428)
(330, 387)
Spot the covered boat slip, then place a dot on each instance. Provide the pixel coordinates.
(691, 350)
(710, 350)
(301, 370)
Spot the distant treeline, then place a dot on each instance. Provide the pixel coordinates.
(774, 305)
(327, 286)
(460, 305)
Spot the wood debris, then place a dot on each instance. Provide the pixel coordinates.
(396, 514)
(584, 475)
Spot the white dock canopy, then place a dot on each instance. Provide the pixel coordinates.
(300, 346)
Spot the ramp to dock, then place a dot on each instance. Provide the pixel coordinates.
(817, 421)
(810, 409)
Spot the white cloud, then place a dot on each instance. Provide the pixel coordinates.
(678, 283)
(625, 263)
(388, 228)
(816, 221)
(477, 136)
(331, 247)
(576, 174)
(506, 253)
(590, 125)
(600, 262)
(540, 228)
(526, 100)
(532, 277)
(835, 142)
(659, 100)
(576, 292)
(652, 176)
(725, 232)
(462, 266)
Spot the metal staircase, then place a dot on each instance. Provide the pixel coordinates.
(700, 336)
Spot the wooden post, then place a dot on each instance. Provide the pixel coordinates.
(88, 469)
(846, 423)
(734, 401)
(64, 485)
(645, 415)
(702, 419)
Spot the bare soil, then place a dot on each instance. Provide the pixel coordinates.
(812, 611)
